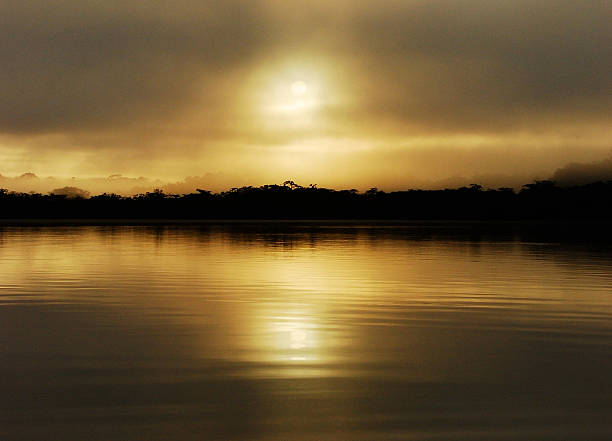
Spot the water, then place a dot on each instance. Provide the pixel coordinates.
(302, 333)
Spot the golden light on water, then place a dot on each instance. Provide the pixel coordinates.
(294, 337)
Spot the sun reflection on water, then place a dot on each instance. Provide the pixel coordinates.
(295, 337)
(291, 341)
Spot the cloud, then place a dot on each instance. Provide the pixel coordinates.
(211, 181)
(395, 172)
(577, 173)
(143, 88)
(30, 182)
(71, 192)
(80, 65)
(76, 65)
(486, 65)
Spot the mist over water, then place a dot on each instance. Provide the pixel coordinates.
(297, 332)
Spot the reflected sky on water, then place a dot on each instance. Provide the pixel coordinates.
(297, 332)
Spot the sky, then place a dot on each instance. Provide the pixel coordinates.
(346, 94)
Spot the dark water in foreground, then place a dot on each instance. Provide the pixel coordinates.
(302, 333)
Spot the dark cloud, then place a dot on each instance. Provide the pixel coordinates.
(71, 192)
(577, 173)
(73, 65)
(487, 65)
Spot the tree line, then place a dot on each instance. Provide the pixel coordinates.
(537, 200)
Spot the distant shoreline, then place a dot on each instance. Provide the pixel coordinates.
(541, 201)
(321, 222)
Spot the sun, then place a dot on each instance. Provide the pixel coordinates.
(298, 88)
(293, 98)
(290, 94)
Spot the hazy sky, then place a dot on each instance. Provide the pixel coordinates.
(355, 93)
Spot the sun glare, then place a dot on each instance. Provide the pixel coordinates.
(292, 91)
(298, 88)
(293, 98)
(291, 95)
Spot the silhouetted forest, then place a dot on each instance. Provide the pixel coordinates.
(541, 200)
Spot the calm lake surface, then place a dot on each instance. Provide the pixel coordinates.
(297, 332)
